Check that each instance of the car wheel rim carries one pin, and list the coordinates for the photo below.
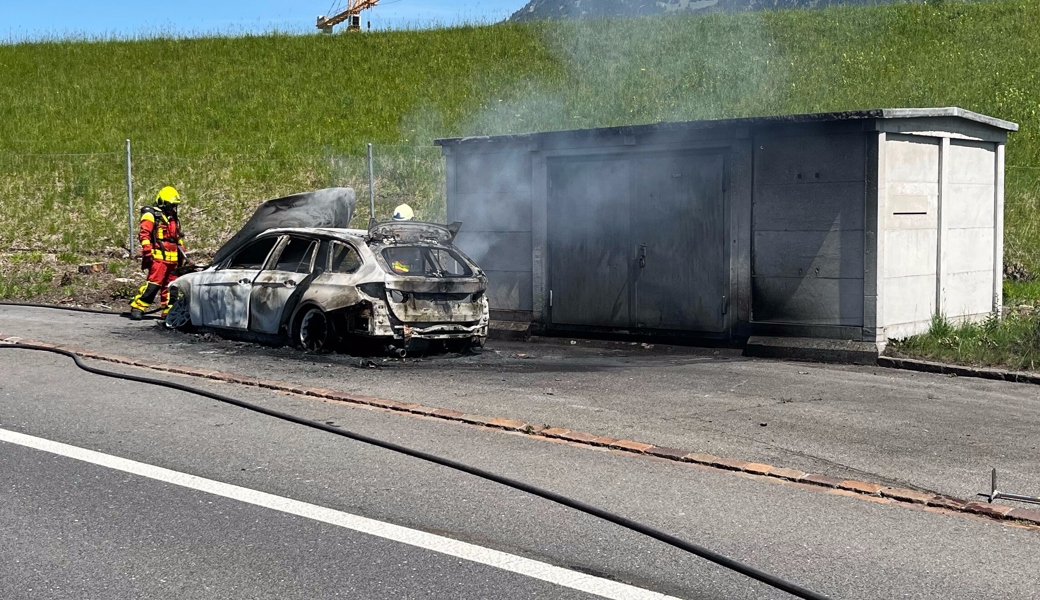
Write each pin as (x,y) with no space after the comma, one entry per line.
(179,314)
(313,330)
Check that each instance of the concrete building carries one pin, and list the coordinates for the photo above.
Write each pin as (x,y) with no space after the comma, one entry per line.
(856,226)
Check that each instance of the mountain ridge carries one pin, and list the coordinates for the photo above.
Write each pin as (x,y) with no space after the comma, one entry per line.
(536,10)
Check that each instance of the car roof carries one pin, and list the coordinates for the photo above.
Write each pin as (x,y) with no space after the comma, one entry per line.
(356,235)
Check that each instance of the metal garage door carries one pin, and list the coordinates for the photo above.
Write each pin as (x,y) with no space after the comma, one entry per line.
(638,242)
(590,249)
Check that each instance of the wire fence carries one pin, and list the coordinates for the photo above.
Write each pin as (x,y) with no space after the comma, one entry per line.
(1022,219)
(77,202)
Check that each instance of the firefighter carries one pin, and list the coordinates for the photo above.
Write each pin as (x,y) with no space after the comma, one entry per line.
(403,213)
(162,251)
(402,265)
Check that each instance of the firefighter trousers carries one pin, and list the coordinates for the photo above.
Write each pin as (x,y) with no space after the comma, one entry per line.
(160,275)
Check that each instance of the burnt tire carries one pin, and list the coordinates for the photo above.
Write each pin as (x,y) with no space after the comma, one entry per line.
(179,316)
(314,331)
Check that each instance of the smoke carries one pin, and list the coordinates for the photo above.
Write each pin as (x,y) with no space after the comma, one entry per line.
(632,71)
(615,72)
(606,73)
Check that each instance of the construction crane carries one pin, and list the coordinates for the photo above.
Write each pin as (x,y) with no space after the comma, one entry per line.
(351,14)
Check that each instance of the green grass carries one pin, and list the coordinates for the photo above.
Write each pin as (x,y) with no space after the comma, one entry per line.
(1021,293)
(25,258)
(26,283)
(1013,341)
(232,121)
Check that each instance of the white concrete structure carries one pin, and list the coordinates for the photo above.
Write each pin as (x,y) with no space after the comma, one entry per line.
(942,204)
(856,226)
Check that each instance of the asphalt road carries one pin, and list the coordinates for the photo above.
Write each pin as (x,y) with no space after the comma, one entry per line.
(894,427)
(76,530)
(71,530)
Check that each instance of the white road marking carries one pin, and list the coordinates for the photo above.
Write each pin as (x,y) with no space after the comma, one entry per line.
(435,543)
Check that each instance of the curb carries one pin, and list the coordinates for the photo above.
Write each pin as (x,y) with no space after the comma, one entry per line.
(812,349)
(903,495)
(927,366)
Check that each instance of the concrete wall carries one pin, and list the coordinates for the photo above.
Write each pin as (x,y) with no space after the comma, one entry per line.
(968,230)
(908,223)
(939,215)
(808,228)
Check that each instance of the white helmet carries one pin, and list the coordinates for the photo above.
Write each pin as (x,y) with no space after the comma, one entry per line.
(403,213)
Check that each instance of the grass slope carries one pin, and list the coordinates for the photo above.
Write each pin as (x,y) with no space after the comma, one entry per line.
(233,121)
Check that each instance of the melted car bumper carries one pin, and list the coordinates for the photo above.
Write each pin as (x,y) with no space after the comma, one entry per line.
(444,331)
(384,324)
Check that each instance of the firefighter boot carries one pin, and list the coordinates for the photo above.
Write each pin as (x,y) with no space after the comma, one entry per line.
(143,300)
(166,300)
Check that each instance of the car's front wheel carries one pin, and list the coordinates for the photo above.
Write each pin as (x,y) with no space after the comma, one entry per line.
(314,332)
(179,316)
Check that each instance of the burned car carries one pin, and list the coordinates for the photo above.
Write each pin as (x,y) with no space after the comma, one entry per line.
(402,284)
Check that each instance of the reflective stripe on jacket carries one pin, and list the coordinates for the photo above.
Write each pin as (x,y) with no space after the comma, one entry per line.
(160,235)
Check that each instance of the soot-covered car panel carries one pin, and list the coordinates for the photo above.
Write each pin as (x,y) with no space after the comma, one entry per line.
(398,282)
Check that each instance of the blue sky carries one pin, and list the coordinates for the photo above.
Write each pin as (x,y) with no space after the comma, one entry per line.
(26,20)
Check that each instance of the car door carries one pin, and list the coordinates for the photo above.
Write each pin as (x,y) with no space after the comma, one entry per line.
(275,288)
(223,296)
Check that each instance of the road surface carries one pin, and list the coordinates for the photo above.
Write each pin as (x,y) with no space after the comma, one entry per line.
(73,529)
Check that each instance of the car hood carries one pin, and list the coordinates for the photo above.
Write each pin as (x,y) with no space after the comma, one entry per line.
(330,207)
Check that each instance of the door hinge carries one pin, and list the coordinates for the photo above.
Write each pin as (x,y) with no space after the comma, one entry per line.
(550,298)
(725,305)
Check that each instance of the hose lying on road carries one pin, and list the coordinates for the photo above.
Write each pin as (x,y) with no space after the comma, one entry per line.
(55,306)
(690,547)
(83,309)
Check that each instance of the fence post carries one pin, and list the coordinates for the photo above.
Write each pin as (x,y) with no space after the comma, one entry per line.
(129,204)
(371,190)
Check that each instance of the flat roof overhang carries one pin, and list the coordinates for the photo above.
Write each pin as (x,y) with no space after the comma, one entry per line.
(972,120)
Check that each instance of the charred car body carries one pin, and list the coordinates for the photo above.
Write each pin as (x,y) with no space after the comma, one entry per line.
(396,284)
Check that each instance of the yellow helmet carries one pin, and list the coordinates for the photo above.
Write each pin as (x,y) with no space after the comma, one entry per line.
(168,195)
(403,213)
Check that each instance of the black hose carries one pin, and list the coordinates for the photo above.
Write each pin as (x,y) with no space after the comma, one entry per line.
(71,308)
(96,311)
(690,547)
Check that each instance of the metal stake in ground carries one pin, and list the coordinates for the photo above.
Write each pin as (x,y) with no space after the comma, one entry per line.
(130,204)
(995,494)
(371,190)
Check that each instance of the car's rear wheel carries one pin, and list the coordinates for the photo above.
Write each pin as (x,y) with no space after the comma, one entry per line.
(314,332)
(179,316)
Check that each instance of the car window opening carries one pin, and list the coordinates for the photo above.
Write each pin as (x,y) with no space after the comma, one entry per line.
(254,255)
(308,259)
(424,261)
(293,255)
(345,259)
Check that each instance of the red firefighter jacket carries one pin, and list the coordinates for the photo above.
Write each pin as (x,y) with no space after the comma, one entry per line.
(160,235)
